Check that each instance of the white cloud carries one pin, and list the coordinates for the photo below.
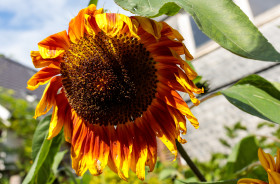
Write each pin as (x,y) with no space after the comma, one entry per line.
(29,22)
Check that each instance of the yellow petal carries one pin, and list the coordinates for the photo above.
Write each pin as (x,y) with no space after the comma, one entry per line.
(250,181)
(150,26)
(55,126)
(266,160)
(273,177)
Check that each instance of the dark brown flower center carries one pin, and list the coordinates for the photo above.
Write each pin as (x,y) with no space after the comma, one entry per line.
(109,80)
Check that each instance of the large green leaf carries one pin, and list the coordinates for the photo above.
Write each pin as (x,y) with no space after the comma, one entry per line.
(256,96)
(221,20)
(57,159)
(39,135)
(44,156)
(45,171)
(243,154)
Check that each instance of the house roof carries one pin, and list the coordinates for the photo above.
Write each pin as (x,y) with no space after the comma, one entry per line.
(15,76)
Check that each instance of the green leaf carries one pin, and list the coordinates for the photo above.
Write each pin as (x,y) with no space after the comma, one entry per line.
(244,153)
(224,142)
(167,173)
(149,8)
(57,159)
(93,2)
(45,153)
(45,171)
(221,20)
(213,182)
(39,135)
(256,96)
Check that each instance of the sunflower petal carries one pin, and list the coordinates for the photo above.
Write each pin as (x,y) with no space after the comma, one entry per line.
(55,125)
(54,45)
(39,62)
(140,152)
(48,98)
(250,181)
(173,99)
(180,123)
(155,116)
(42,77)
(273,177)
(97,154)
(62,112)
(113,24)
(170,32)
(266,160)
(78,162)
(189,86)
(278,161)
(115,150)
(126,145)
(150,26)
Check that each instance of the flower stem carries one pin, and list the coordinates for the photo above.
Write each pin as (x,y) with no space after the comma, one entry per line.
(186,157)
(207,98)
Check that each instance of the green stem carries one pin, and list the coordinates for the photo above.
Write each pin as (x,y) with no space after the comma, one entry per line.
(207,98)
(93,2)
(247,170)
(68,170)
(186,157)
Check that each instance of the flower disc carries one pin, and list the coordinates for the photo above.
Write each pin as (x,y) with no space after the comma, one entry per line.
(109,80)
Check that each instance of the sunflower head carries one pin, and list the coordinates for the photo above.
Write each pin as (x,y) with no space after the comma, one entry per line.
(113,83)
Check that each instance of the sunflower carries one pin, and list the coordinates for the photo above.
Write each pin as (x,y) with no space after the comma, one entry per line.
(112,81)
(271,166)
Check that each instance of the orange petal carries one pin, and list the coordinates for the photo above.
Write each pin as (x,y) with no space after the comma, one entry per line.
(42,77)
(98,152)
(266,160)
(139,152)
(80,131)
(188,70)
(79,162)
(189,86)
(67,122)
(55,125)
(180,123)
(273,177)
(54,45)
(63,116)
(170,32)
(91,25)
(152,154)
(150,26)
(278,161)
(173,99)
(77,24)
(250,181)
(113,24)
(39,62)
(126,141)
(115,150)
(48,98)
(150,137)
(165,136)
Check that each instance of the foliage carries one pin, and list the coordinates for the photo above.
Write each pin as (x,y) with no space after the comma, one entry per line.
(21,122)
(220,20)
(45,151)
(257,96)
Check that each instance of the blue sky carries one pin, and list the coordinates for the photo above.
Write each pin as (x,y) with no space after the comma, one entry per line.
(25,23)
